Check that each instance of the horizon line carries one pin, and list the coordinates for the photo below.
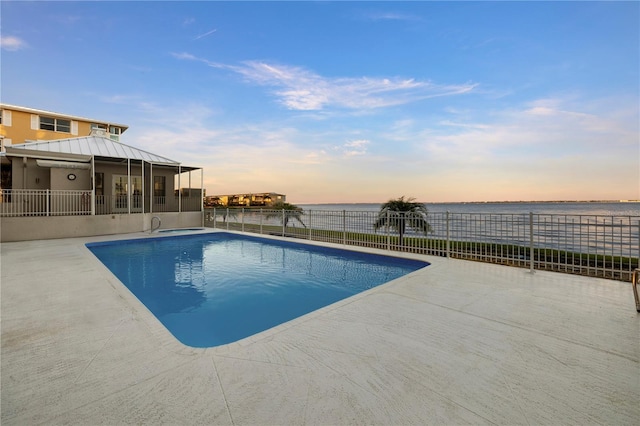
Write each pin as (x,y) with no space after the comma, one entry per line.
(487,202)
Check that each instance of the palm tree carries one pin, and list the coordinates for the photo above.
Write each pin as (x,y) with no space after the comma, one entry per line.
(291,211)
(402,213)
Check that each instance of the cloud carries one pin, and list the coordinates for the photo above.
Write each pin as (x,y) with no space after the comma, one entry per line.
(300,89)
(391,16)
(12,43)
(184,56)
(303,90)
(68,19)
(552,134)
(205,34)
(356,147)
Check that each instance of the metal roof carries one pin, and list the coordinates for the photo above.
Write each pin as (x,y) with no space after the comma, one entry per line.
(95,146)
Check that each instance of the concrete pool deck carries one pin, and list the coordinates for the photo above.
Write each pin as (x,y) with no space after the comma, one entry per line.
(455,343)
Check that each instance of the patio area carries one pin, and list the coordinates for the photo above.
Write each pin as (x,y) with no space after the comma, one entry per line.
(458,342)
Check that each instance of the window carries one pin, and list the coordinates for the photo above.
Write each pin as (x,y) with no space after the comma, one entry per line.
(100,188)
(114,133)
(5,176)
(5,182)
(4,143)
(159,186)
(5,117)
(121,188)
(55,124)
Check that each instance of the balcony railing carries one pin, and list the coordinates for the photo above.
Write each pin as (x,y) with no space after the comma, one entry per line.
(598,246)
(46,202)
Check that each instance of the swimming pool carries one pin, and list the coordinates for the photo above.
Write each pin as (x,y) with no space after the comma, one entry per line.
(216,288)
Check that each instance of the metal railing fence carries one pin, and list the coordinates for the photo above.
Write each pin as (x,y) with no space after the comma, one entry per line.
(591,245)
(47,202)
(44,202)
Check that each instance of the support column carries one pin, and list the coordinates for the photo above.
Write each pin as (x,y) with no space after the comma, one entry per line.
(153,189)
(93,186)
(128,185)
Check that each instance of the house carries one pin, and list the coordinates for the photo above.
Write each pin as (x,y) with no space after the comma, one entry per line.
(20,124)
(92,185)
(262,199)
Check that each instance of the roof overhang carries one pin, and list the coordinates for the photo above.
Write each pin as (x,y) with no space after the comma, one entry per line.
(15,152)
(55,164)
(174,166)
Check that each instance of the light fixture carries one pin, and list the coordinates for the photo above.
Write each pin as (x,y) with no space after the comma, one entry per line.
(71,176)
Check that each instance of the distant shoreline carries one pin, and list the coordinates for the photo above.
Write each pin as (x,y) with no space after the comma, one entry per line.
(539,202)
(489,202)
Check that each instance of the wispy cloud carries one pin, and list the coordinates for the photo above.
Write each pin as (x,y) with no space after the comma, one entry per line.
(300,89)
(303,90)
(185,56)
(354,148)
(12,43)
(391,16)
(68,19)
(208,33)
(545,130)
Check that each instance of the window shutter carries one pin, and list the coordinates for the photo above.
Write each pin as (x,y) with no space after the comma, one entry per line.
(35,122)
(6,118)
(74,128)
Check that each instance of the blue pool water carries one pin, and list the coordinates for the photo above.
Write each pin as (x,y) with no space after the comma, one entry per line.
(216,288)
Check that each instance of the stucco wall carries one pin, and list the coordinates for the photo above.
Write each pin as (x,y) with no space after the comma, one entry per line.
(45,228)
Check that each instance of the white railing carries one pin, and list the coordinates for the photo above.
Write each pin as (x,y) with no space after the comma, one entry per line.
(600,246)
(44,202)
(47,202)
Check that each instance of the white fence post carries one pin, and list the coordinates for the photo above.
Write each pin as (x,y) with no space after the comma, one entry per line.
(261,221)
(531,265)
(388,232)
(448,240)
(344,227)
(283,223)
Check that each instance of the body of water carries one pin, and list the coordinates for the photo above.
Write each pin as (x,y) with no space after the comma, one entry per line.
(556,208)
(611,228)
(587,227)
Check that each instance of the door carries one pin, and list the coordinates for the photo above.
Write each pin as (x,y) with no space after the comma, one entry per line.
(121,188)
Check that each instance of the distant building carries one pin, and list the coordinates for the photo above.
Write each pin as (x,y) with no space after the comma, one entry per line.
(21,124)
(260,199)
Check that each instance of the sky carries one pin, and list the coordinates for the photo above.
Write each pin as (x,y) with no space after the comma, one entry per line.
(350,102)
